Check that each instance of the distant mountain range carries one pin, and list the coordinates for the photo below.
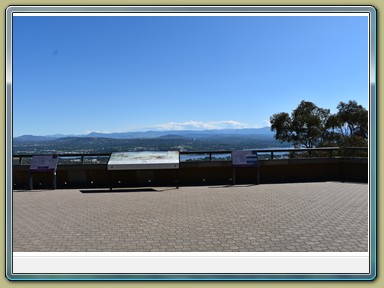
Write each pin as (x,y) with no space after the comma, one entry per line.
(184,140)
(170,134)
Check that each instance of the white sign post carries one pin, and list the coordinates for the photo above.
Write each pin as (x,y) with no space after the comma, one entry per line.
(144,160)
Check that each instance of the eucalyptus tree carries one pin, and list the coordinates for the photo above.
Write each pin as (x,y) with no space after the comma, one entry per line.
(311,126)
(350,124)
(306,126)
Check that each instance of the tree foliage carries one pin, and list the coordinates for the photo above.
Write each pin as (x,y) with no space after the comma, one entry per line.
(311,126)
(350,124)
(305,127)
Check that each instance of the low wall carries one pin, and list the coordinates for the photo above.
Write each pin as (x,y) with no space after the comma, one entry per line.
(198,173)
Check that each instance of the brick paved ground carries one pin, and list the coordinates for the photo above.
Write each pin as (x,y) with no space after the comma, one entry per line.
(301,217)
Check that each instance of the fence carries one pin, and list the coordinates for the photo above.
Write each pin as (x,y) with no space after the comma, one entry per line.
(211,156)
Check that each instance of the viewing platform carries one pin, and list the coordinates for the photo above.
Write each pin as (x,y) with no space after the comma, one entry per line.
(290,217)
(319,205)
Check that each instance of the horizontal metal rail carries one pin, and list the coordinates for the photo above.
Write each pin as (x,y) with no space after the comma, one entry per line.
(204,156)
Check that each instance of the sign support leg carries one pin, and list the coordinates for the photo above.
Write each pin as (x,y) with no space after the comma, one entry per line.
(258,176)
(233,176)
(30,181)
(54,180)
(177,178)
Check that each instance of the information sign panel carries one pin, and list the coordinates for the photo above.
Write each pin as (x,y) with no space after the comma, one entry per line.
(43,163)
(244,158)
(144,160)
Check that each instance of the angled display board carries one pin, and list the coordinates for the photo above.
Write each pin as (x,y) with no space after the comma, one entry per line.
(244,158)
(43,163)
(144,160)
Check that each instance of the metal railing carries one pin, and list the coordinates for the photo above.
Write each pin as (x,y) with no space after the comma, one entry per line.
(67,159)
(208,156)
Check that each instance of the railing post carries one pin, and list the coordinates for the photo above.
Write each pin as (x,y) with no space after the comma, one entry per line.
(271,155)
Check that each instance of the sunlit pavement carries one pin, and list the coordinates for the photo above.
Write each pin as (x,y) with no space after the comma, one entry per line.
(301,217)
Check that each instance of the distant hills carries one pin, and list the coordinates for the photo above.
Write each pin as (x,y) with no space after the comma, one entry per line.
(167,134)
(184,140)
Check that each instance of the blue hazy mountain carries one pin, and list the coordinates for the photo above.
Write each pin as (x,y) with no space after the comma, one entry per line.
(33,138)
(185,140)
(247,132)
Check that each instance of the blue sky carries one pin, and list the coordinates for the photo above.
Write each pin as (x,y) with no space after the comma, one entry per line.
(74,75)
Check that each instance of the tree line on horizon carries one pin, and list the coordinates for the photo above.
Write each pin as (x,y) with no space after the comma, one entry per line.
(311,126)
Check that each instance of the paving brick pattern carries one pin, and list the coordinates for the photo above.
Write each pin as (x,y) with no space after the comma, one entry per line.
(302,217)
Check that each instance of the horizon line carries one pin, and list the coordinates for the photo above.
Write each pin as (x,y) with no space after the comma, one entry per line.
(85,133)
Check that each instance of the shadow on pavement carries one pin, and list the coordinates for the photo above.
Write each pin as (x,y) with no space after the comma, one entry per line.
(124,190)
(231,186)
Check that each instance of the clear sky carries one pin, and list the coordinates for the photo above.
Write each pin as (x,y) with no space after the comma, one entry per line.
(74,75)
